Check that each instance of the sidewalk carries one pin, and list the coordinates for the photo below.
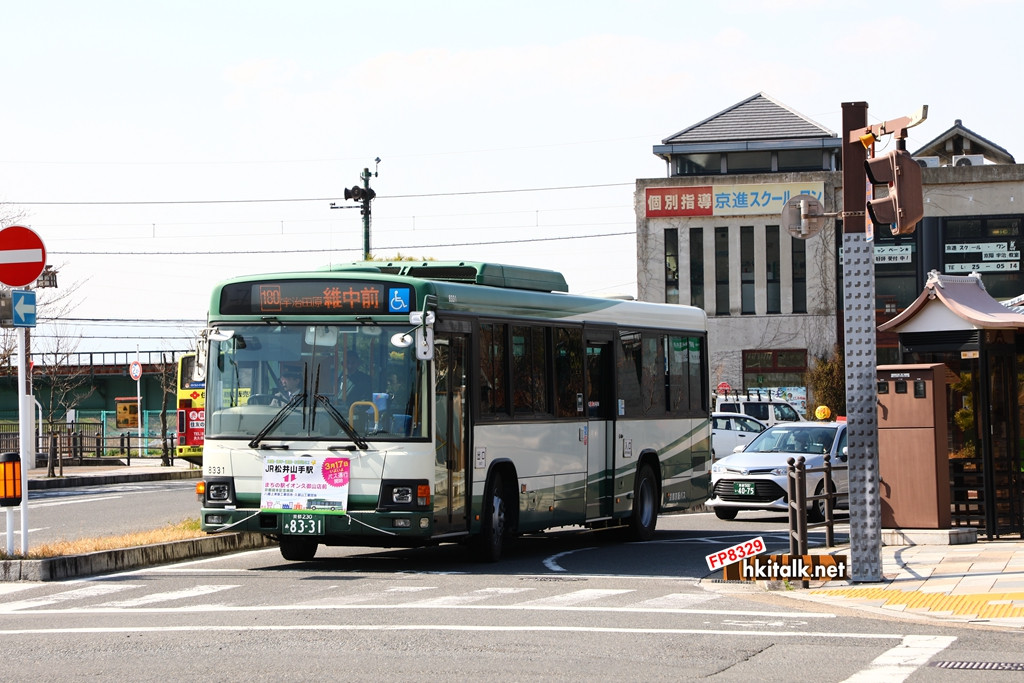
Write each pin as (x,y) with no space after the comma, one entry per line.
(974,583)
(111,471)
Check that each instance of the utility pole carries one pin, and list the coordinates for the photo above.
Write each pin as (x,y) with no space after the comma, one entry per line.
(364,195)
(860,336)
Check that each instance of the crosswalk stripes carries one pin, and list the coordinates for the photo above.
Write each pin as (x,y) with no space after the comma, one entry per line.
(97,597)
(90,591)
(195,591)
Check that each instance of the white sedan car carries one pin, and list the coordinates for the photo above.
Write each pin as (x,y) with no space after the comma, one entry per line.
(756,477)
(730,431)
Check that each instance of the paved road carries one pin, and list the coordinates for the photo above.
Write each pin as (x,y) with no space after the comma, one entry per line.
(561,607)
(103,510)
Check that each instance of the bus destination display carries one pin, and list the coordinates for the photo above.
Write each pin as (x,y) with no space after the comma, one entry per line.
(315,297)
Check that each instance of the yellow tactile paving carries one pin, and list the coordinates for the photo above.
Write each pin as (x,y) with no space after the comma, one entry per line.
(980,605)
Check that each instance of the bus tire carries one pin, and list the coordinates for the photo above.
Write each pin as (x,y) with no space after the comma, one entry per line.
(645,505)
(298,548)
(491,540)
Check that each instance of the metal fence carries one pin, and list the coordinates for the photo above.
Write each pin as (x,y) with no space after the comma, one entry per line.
(77,441)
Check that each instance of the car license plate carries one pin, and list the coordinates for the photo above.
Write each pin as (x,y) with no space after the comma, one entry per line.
(303,525)
(743,488)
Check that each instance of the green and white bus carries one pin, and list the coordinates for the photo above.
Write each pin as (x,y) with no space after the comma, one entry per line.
(446,402)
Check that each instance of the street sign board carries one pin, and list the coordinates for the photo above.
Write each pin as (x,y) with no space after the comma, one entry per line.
(135,370)
(22,256)
(23,308)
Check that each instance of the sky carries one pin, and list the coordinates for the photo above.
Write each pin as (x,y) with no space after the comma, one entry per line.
(160,147)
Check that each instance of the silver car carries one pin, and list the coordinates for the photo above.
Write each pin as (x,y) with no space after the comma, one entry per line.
(730,431)
(755,478)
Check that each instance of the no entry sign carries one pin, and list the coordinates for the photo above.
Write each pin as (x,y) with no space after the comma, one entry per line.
(22,256)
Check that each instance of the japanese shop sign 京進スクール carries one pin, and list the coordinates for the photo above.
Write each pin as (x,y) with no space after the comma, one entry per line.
(725,200)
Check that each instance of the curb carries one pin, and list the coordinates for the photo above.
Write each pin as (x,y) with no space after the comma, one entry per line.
(99,480)
(104,561)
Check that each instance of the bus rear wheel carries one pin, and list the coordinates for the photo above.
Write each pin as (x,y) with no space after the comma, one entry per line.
(491,540)
(298,548)
(645,505)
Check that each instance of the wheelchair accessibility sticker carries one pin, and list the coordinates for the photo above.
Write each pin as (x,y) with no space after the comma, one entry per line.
(398,300)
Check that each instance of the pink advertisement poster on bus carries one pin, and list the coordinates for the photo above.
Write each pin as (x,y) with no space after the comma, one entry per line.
(305,483)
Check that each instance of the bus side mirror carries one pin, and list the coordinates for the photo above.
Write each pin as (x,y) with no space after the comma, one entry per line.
(424,323)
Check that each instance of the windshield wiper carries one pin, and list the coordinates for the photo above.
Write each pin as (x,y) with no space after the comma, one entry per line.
(278,418)
(342,422)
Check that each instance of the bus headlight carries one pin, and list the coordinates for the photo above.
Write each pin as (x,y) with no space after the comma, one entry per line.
(404,495)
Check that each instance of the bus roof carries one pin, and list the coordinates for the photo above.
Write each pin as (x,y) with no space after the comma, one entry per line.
(507,291)
(468,272)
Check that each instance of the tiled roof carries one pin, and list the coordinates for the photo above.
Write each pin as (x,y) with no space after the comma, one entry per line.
(755,118)
(963,299)
(955,138)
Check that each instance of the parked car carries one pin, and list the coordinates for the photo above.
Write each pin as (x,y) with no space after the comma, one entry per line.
(756,477)
(763,406)
(730,431)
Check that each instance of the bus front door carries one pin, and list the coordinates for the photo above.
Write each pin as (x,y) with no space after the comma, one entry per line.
(451,435)
(600,399)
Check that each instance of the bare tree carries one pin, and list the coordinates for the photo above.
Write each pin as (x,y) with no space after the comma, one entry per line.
(168,388)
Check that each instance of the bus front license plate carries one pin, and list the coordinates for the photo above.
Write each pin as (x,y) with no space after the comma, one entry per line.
(743,488)
(303,525)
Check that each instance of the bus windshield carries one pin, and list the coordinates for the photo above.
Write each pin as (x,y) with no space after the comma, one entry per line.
(353,382)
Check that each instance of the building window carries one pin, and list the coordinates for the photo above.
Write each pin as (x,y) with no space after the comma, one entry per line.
(774,368)
(721,271)
(697,267)
(697,164)
(749,162)
(895,271)
(747,284)
(799,275)
(672,266)
(800,160)
(989,245)
(772,269)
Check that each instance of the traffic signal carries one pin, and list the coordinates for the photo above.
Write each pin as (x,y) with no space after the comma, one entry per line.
(359,193)
(904,206)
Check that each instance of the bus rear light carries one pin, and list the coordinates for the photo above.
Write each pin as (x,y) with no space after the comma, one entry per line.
(423,495)
(200,488)
(401,495)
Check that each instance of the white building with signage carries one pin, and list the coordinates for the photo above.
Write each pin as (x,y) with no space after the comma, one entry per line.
(711,234)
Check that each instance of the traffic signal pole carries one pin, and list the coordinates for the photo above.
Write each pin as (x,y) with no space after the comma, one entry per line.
(859,352)
(859,333)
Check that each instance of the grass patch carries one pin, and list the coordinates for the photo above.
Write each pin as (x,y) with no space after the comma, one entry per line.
(183,530)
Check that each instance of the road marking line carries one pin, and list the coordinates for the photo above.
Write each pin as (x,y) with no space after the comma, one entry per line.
(451,627)
(898,663)
(91,591)
(575,597)
(195,591)
(525,607)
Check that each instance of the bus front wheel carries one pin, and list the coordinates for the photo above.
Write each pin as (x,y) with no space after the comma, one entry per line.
(298,548)
(492,534)
(645,505)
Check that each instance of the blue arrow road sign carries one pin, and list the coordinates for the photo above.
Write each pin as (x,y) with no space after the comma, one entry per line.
(23,308)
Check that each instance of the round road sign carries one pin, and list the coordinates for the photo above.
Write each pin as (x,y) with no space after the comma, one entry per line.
(135,370)
(22,256)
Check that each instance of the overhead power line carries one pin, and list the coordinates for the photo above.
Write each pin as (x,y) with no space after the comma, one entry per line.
(316,199)
(321,250)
